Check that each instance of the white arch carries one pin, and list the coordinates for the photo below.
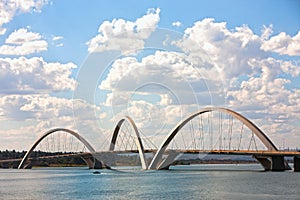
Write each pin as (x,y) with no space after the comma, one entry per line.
(81,139)
(158,156)
(138,140)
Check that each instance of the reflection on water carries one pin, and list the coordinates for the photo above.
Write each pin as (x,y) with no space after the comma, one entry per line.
(181,182)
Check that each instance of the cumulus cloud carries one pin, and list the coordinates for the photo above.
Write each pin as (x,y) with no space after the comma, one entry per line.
(55,38)
(9,8)
(266,89)
(225,50)
(155,116)
(255,81)
(214,60)
(158,88)
(34,75)
(125,36)
(153,68)
(43,107)
(57,41)
(23,42)
(165,99)
(42,112)
(28,107)
(154,120)
(266,32)
(283,44)
(143,112)
(270,105)
(268,100)
(22,36)
(177,23)
(160,73)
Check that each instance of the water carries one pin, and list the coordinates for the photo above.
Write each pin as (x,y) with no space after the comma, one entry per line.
(182,182)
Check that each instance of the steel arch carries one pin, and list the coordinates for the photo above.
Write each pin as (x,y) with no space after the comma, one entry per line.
(80,138)
(259,133)
(138,140)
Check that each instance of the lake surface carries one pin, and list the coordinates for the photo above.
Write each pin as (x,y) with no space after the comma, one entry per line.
(181,182)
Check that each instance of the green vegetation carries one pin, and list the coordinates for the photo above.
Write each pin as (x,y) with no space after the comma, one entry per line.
(6,155)
(47,162)
(36,158)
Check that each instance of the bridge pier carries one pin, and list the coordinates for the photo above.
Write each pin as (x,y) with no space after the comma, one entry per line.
(100,165)
(93,163)
(296,164)
(265,162)
(273,163)
(28,165)
(165,164)
(278,163)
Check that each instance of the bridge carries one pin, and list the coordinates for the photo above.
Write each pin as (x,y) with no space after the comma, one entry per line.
(212,130)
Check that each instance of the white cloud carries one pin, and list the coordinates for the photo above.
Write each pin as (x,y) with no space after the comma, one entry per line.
(142,112)
(159,74)
(156,117)
(39,113)
(126,36)
(9,8)
(283,44)
(266,32)
(290,67)
(55,38)
(177,23)
(164,84)
(267,89)
(258,85)
(153,119)
(163,67)
(116,98)
(22,36)
(23,42)
(267,97)
(31,107)
(255,82)
(156,91)
(34,75)
(222,49)
(165,100)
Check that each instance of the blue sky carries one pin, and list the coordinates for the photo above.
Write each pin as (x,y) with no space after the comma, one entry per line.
(69,18)
(253,45)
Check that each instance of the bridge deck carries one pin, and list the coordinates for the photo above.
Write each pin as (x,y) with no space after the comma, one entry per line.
(228,152)
(245,152)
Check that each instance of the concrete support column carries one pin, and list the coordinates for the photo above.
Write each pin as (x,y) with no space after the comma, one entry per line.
(100,165)
(28,165)
(94,163)
(265,162)
(165,164)
(296,164)
(89,161)
(278,163)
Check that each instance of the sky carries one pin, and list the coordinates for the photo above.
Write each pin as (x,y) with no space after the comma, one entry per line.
(84,64)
